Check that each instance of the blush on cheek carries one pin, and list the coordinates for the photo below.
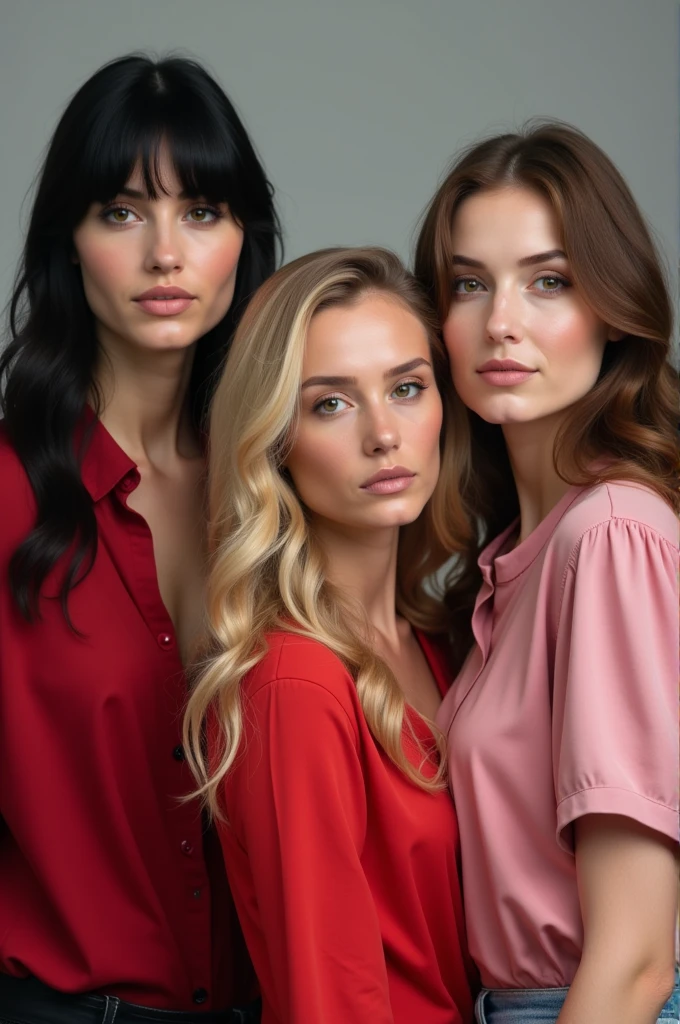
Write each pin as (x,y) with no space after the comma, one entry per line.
(317,471)
(222,262)
(100,265)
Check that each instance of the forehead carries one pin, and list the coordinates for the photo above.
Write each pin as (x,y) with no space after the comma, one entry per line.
(371,335)
(515,222)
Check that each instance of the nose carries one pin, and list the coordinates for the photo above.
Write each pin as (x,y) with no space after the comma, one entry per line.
(164,252)
(504,323)
(381,432)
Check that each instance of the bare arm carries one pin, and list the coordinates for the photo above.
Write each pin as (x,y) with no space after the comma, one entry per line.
(627,880)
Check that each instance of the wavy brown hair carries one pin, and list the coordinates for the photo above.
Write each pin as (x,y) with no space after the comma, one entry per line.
(268,570)
(626,426)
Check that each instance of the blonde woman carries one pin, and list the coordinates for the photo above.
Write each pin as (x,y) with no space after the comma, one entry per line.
(321,683)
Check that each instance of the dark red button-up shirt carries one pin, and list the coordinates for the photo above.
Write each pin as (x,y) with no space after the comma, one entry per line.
(107,881)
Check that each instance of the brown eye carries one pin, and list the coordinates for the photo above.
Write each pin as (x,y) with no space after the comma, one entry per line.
(203,215)
(470,286)
(118,215)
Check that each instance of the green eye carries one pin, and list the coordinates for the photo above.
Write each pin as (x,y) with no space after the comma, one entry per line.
(550,283)
(467,286)
(407,389)
(330,405)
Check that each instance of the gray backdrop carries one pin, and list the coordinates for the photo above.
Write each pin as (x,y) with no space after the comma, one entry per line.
(356,106)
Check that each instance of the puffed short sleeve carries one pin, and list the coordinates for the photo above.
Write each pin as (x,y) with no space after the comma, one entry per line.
(615,698)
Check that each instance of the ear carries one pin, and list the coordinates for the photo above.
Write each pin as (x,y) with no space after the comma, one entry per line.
(613,334)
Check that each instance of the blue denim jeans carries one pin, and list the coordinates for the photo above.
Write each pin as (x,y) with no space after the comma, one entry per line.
(542,1005)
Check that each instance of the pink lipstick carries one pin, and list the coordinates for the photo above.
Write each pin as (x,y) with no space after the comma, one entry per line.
(389,481)
(503,373)
(165,300)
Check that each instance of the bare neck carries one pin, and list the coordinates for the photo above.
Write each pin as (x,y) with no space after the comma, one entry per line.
(363,564)
(539,488)
(145,403)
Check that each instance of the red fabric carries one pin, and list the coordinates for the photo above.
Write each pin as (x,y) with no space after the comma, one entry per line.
(344,873)
(105,883)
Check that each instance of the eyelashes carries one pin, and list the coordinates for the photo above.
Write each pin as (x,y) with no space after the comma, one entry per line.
(109,214)
(320,407)
(550,284)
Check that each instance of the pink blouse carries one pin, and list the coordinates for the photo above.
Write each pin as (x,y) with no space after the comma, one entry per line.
(567,705)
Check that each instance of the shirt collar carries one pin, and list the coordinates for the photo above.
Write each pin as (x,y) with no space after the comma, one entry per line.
(104,463)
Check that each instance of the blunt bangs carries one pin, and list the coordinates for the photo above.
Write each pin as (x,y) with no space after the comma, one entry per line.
(136,122)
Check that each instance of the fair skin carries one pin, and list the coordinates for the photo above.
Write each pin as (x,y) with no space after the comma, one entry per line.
(513,299)
(369,402)
(128,250)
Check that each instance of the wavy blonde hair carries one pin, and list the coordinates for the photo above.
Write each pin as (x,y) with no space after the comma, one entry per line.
(268,570)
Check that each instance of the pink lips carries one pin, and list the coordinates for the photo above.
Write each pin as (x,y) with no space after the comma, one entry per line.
(502,373)
(389,481)
(164,301)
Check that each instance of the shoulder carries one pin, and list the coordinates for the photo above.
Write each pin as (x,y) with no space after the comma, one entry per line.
(609,511)
(17,508)
(305,664)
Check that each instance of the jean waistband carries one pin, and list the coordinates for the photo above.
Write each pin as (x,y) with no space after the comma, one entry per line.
(542,1005)
(29,1001)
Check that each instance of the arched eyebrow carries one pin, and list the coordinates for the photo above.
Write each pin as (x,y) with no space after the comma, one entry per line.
(339,382)
(526,261)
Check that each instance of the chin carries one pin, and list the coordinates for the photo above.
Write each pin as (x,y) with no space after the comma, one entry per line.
(166,342)
(400,517)
(503,412)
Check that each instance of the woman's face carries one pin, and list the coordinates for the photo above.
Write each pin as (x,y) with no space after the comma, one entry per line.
(522,342)
(158,274)
(366,452)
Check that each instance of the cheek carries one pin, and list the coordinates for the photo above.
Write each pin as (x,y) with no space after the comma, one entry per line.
(458,338)
(427,431)
(104,268)
(317,465)
(217,263)
(574,342)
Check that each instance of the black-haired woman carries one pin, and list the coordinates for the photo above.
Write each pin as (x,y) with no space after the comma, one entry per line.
(152,224)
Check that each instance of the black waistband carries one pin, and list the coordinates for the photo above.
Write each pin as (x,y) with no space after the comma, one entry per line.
(28,1001)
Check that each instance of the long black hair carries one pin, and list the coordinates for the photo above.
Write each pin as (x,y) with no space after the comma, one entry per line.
(117,120)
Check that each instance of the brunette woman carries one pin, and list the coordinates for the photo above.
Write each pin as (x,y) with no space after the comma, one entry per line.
(152,224)
(562,724)
(322,683)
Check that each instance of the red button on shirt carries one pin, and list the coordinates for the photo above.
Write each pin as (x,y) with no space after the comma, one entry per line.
(95,893)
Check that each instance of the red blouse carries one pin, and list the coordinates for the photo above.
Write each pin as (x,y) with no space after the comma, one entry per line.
(345,874)
(107,881)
